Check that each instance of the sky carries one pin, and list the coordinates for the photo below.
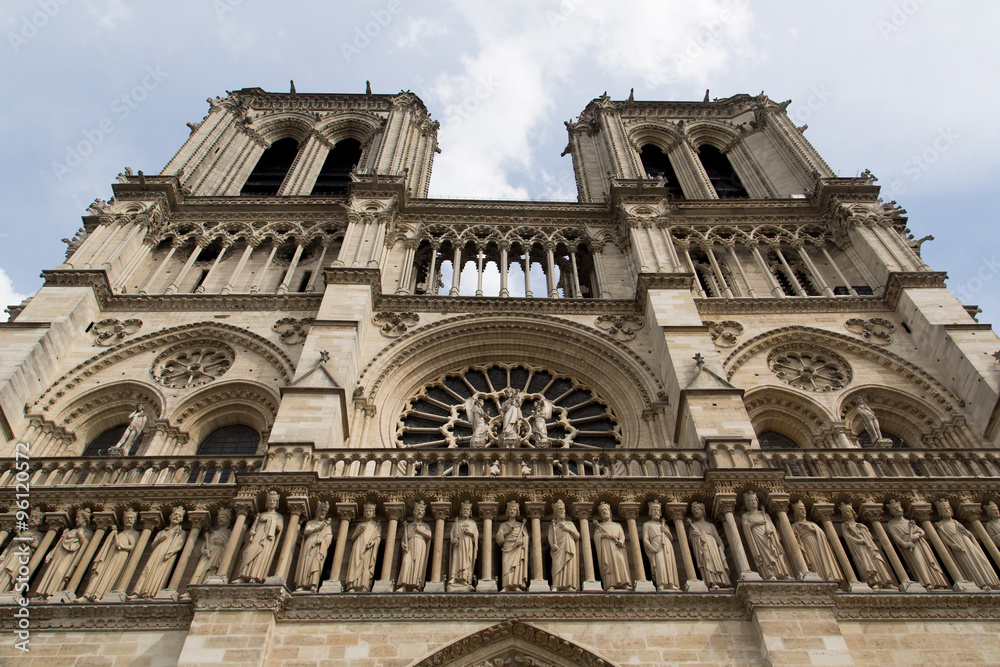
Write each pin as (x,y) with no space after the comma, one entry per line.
(895,87)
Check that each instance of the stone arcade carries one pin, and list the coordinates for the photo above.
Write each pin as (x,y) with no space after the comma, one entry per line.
(282,408)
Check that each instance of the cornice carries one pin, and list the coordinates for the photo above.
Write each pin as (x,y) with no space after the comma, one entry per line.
(148,615)
(900,280)
(482,305)
(792,304)
(926,607)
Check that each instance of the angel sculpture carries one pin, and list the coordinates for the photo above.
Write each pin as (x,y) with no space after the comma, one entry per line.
(540,411)
(475,412)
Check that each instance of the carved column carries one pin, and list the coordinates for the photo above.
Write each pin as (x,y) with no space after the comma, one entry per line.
(796,285)
(108,228)
(441,510)
(690,263)
(800,246)
(576,274)
(972,513)
(228,287)
(103,521)
(283,287)
(535,511)
(198,247)
(921,511)
(346,512)
(432,286)
(527,272)
(395,511)
(778,503)
(676,513)
(630,512)
(242,507)
(754,246)
(54,522)
(723,506)
(836,270)
(872,512)
(479,267)
(136,228)
(504,248)
(410,246)
(550,270)
(597,254)
(174,244)
(647,227)
(487,512)
(731,247)
(714,261)
(456,270)
(823,513)
(267,264)
(298,507)
(211,272)
(582,512)
(199,519)
(149,520)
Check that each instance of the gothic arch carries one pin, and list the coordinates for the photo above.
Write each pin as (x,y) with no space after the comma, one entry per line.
(663,136)
(352,125)
(716,133)
(513,639)
(284,125)
(595,359)
(227,404)
(785,412)
(900,414)
(103,408)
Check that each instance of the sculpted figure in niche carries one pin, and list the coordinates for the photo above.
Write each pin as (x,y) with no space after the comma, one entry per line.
(511,410)
(864,552)
(64,558)
(367,536)
(464,550)
(656,540)
(213,547)
(316,539)
(540,411)
(136,425)
(166,546)
(475,412)
(815,547)
(609,538)
(20,549)
(992,525)
(112,557)
(762,537)
(709,549)
(964,548)
(870,421)
(917,552)
(413,566)
(563,536)
(513,540)
(261,543)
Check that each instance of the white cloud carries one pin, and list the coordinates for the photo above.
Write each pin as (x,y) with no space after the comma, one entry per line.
(8,297)
(108,13)
(419,29)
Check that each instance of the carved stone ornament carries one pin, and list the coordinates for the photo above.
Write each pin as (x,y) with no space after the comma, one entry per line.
(875,329)
(292,331)
(111,332)
(192,364)
(394,325)
(622,328)
(724,333)
(804,367)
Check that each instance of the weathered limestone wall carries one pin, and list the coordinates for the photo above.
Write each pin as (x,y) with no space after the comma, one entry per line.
(96,649)
(916,643)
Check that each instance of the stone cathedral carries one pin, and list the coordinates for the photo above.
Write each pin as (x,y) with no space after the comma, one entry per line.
(278,407)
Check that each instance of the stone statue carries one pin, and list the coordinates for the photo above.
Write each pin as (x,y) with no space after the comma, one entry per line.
(864,552)
(992,526)
(261,544)
(511,411)
(21,549)
(112,558)
(917,552)
(762,538)
(367,536)
(964,548)
(540,411)
(166,546)
(413,565)
(609,538)
(563,536)
(464,550)
(709,549)
(317,536)
(513,540)
(213,547)
(656,540)
(475,412)
(871,423)
(64,558)
(132,432)
(814,545)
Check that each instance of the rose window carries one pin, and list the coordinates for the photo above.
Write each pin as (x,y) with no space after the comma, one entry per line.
(507,405)
(810,370)
(192,364)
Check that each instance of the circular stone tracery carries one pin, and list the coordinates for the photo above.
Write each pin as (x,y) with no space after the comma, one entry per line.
(192,364)
(436,416)
(809,369)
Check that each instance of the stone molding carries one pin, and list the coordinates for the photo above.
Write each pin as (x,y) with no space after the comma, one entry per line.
(146,616)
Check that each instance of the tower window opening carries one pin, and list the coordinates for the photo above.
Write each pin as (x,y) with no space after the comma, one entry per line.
(335,175)
(272,167)
(657,165)
(201,279)
(304,283)
(720,172)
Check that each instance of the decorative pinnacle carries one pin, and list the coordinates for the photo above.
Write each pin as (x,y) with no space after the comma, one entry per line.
(700,360)
(996,355)
(324,356)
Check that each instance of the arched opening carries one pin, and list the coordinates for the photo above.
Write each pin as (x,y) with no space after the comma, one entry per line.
(335,176)
(657,165)
(720,172)
(234,440)
(267,177)
(100,445)
(775,440)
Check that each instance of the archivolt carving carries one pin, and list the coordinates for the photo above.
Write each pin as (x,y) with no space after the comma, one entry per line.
(253,232)
(174,335)
(829,339)
(794,415)
(900,414)
(248,403)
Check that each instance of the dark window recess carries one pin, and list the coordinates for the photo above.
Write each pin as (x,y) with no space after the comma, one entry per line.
(724,179)
(201,279)
(237,440)
(304,283)
(775,440)
(864,290)
(99,446)
(658,165)
(866,442)
(335,175)
(273,165)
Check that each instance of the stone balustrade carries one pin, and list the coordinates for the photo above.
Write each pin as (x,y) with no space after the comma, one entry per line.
(832,463)
(131,471)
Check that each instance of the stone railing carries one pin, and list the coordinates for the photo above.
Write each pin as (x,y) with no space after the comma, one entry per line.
(142,471)
(832,463)
(644,463)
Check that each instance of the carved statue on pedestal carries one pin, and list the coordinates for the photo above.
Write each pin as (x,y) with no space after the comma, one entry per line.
(261,544)
(513,540)
(964,548)
(709,549)
(871,424)
(475,412)
(762,538)
(213,547)
(464,550)
(563,536)
(132,432)
(367,536)
(413,565)
(992,525)
(112,558)
(166,546)
(317,536)
(916,550)
(64,558)
(609,538)
(864,552)
(656,540)
(814,545)
(20,550)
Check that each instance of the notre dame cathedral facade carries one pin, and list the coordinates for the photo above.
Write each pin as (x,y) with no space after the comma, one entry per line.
(278,407)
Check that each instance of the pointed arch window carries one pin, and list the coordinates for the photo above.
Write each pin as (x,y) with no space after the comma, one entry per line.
(272,167)
(657,165)
(235,440)
(335,175)
(720,172)
(100,445)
